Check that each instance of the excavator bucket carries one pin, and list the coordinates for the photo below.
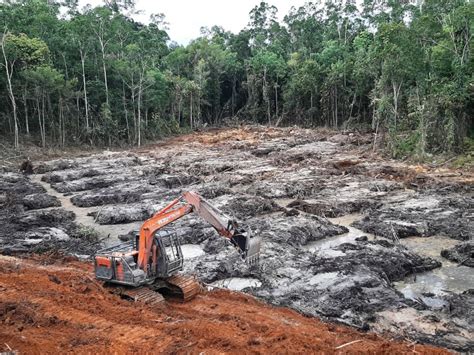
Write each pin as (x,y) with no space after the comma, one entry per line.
(248,247)
(252,255)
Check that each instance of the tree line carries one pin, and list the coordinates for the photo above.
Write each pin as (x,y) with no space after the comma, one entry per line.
(96,76)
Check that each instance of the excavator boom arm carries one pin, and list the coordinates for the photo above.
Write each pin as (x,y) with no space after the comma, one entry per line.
(208,213)
(248,247)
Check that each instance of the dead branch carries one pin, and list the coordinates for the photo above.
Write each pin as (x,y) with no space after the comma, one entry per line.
(347,344)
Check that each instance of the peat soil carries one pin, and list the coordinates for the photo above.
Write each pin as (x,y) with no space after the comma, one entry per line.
(342,227)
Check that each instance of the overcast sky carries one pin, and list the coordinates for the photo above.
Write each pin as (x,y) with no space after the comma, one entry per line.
(186,17)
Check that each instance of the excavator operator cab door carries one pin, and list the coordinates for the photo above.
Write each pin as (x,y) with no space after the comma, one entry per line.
(169,256)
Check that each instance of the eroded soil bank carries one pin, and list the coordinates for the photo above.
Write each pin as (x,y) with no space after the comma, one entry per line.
(346,234)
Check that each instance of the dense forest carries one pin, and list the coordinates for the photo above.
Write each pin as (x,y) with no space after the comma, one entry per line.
(96,76)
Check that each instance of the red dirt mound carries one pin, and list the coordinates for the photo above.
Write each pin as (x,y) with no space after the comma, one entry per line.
(57,308)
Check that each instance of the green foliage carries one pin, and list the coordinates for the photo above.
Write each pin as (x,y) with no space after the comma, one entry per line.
(97,76)
(406,145)
(466,160)
(164,126)
(25,51)
(44,77)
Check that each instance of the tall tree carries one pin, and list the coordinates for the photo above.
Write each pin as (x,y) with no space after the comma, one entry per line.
(19,52)
(96,75)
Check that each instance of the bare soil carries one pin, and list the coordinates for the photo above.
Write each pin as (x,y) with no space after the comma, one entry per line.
(349,236)
(57,308)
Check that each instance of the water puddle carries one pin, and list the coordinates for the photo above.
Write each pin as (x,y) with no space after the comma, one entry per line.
(192,251)
(283,202)
(430,285)
(427,286)
(430,246)
(326,246)
(237,283)
(450,277)
(108,232)
(347,220)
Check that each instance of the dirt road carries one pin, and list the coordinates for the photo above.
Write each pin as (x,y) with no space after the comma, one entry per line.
(57,308)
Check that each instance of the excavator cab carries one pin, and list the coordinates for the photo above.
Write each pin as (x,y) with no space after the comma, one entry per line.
(169,254)
(118,264)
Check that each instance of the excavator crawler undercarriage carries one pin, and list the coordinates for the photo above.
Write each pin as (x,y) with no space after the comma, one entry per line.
(182,288)
(142,294)
(179,287)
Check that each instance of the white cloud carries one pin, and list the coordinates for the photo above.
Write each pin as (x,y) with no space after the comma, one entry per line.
(186,17)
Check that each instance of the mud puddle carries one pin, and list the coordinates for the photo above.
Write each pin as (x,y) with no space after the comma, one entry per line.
(325,247)
(428,287)
(192,251)
(108,232)
(450,277)
(432,285)
(431,246)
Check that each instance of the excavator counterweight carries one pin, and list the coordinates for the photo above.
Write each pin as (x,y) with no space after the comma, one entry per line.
(152,260)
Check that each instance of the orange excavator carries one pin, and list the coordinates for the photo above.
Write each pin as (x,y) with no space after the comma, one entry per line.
(147,267)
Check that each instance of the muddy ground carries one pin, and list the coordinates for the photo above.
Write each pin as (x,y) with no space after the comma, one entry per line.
(348,236)
(51,306)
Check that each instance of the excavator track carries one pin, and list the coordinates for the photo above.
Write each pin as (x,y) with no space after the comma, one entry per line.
(143,294)
(182,287)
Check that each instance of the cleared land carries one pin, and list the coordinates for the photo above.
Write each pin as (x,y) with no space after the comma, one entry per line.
(348,236)
(51,308)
